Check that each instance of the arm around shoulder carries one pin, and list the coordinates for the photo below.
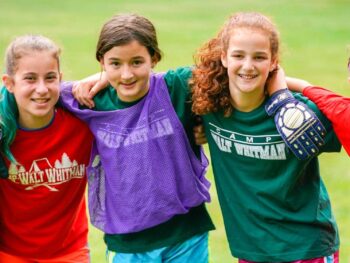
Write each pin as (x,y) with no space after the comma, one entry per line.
(336,108)
(297,85)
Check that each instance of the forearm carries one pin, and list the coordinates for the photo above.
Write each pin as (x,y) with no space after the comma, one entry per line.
(297,85)
(336,108)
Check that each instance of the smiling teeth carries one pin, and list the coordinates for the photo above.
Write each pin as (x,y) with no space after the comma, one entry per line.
(40,100)
(247,76)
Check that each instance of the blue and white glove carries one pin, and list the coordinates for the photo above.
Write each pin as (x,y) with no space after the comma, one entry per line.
(3,169)
(299,127)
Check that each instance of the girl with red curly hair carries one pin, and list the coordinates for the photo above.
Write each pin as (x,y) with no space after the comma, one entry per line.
(275,207)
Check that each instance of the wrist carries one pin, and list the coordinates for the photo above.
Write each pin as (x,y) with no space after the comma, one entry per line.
(273,90)
(278,99)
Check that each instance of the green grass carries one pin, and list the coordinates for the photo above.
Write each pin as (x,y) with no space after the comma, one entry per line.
(315,35)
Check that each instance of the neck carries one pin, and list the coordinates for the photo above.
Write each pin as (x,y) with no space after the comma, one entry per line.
(247,102)
(35,123)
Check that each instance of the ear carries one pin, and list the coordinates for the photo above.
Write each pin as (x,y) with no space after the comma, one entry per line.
(154,62)
(102,63)
(60,76)
(8,82)
(224,59)
(274,64)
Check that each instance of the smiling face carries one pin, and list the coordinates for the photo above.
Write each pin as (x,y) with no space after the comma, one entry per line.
(248,60)
(35,86)
(128,68)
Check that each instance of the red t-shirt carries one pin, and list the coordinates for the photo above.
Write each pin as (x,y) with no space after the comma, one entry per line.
(336,108)
(42,204)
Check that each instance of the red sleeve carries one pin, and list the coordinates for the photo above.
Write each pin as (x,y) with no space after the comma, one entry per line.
(336,108)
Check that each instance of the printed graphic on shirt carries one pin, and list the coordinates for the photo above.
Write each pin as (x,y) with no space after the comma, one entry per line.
(43,174)
(268,147)
(114,136)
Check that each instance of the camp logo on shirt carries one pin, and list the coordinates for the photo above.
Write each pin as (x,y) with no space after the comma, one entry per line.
(268,147)
(42,174)
(114,137)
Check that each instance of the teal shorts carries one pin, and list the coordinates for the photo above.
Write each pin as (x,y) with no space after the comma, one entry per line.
(192,250)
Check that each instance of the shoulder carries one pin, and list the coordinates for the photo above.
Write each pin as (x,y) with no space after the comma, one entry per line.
(177,80)
(309,103)
(67,120)
(178,75)
(331,141)
(108,92)
(300,97)
(105,99)
(69,125)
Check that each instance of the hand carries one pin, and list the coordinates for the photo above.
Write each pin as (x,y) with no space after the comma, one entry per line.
(276,80)
(298,126)
(199,132)
(85,89)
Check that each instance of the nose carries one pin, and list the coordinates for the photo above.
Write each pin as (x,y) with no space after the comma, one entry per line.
(41,87)
(248,64)
(126,73)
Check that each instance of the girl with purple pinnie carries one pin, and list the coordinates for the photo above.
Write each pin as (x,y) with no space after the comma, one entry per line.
(147,185)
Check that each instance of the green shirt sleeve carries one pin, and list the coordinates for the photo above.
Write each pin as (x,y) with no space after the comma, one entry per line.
(180,95)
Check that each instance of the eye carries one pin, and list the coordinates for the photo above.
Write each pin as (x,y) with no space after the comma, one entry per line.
(260,58)
(137,62)
(51,78)
(115,64)
(30,78)
(237,56)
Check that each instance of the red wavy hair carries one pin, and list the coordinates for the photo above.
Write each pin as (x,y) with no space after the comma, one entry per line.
(209,82)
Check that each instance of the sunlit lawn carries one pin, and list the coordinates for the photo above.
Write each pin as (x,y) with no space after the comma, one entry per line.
(314,33)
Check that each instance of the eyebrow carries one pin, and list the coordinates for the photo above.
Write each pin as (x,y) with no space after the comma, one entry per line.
(256,52)
(34,73)
(137,57)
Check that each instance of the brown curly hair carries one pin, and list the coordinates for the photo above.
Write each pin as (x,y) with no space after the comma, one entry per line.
(210,82)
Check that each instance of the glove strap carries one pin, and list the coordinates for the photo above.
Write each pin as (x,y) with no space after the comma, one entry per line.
(278,99)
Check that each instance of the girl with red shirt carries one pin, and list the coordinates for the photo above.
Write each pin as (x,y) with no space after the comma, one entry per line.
(46,149)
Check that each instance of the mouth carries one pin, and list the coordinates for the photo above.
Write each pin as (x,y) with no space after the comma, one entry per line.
(40,100)
(247,76)
(128,85)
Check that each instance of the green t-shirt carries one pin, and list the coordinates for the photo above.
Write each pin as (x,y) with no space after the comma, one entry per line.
(275,207)
(180,227)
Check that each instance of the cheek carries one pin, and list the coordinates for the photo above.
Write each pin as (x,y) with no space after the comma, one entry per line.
(111,73)
(266,68)
(20,91)
(55,92)
(233,64)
